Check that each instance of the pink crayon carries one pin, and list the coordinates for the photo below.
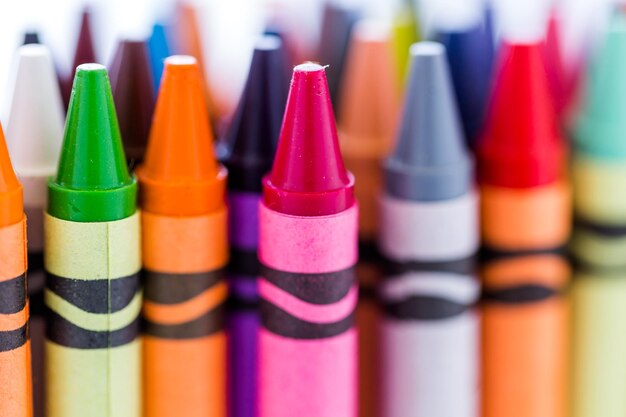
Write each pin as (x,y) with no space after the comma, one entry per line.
(308,249)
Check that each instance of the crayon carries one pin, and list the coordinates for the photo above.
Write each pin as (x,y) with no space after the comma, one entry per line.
(599,162)
(429,237)
(15,359)
(405,31)
(369,109)
(131,83)
(599,287)
(34,135)
(525,222)
(83,54)
(470,54)
(92,258)
(182,194)
(252,138)
(159,49)
(187,40)
(308,249)
(30,36)
(334,43)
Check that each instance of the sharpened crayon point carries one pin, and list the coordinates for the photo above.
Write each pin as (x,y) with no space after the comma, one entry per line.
(84,45)
(159,50)
(93,183)
(30,37)
(35,122)
(601,125)
(11,200)
(308,177)
(430,161)
(131,83)
(180,172)
(254,130)
(521,145)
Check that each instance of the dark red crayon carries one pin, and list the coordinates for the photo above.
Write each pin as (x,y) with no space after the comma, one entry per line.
(84,54)
(133,93)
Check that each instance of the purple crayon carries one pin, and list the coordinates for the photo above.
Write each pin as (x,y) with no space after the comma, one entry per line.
(251,142)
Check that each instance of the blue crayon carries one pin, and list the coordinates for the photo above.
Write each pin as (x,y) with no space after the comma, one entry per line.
(159,49)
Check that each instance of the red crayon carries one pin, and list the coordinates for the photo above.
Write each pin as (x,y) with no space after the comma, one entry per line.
(308,248)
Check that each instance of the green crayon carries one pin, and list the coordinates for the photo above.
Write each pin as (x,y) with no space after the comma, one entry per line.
(92,259)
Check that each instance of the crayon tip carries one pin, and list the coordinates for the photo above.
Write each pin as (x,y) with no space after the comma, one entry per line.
(35,122)
(404,32)
(180,174)
(521,145)
(131,83)
(334,43)
(430,161)
(92,183)
(602,121)
(84,45)
(159,50)
(308,177)
(11,200)
(369,103)
(30,37)
(253,133)
(470,55)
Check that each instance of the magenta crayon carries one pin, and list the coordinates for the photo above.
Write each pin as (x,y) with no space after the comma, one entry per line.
(308,249)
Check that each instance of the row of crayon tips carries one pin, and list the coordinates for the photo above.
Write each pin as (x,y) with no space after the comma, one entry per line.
(520,170)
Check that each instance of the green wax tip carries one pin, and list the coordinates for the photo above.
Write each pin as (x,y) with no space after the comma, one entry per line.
(600,130)
(93,183)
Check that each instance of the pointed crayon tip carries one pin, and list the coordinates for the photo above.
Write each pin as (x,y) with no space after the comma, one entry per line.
(470,55)
(84,45)
(11,200)
(430,161)
(369,103)
(35,121)
(159,50)
(253,132)
(308,177)
(521,144)
(334,43)
(131,83)
(92,183)
(602,121)
(30,37)
(555,66)
(404,32)
(180,174)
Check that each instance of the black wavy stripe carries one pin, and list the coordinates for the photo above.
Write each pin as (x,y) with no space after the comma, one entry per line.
(205,325)
(164,288)
(13,295)
(424,307)
(465,266)
(244,262)
(64,333)
(607,231)
(282,323)
(13,339)
(95,296)
(325,288)
(488,254)
(521,294)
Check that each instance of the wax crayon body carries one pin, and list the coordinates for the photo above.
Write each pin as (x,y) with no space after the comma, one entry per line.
(183,201)
(92,259)
(525,224)
(15,355)
(308,248)
(308,342)
(183,314)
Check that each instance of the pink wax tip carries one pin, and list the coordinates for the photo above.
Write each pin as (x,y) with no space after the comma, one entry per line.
(308,177)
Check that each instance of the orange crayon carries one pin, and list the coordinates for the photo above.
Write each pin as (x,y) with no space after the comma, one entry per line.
(15,373)
(184,218)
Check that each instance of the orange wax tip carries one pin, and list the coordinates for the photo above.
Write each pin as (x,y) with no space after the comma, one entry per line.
(180,175)
(11,203)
